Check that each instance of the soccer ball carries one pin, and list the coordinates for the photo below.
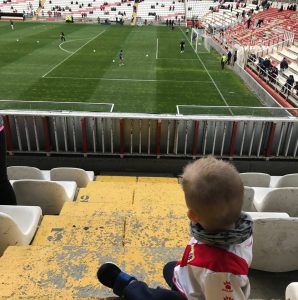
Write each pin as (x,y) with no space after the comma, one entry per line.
(113,60)
(37,42)
(147,55)
(17,40)
(94,50)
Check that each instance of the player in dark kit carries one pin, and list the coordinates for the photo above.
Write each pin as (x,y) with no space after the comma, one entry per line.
(62,37)
(182,46)
(121,58)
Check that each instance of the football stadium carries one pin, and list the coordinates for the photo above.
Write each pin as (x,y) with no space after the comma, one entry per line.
(149,149)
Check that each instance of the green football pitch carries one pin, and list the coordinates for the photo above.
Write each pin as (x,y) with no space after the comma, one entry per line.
(155,77)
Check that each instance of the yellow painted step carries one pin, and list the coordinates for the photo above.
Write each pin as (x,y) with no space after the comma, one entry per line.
(96,209)
(118,192)
(156,232)
(89,232)
(158,180)
(116,178)
(41,272)
(147,263)
(159,192)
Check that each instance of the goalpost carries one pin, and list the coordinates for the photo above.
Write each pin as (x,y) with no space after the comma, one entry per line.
(197,39)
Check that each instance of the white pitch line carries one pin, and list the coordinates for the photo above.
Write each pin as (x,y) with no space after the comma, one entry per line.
(156,56)
(126,79)
(69,56)
(222,96)
(173,58)
(60,45)
(64,49)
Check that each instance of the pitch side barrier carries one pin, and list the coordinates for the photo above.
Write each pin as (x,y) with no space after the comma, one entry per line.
(133,135)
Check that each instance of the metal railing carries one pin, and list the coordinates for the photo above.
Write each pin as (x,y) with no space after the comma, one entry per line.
(146,135)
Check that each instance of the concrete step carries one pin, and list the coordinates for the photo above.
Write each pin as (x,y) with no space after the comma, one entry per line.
(69,272)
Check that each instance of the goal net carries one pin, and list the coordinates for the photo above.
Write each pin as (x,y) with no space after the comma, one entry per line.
(198,40)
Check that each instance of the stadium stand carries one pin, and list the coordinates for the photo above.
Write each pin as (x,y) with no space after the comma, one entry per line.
(152,10)
(278,79)
(26,7)
(99,10)
(123,213)
(198,9)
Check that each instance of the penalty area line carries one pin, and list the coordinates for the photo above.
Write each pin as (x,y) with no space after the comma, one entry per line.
(69,56)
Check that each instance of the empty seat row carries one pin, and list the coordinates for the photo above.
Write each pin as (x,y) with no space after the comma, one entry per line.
(80,176)
(265,180)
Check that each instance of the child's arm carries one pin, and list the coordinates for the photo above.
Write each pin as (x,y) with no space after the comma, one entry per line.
(226,286)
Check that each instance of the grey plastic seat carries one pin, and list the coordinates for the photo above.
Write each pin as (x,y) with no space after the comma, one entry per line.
(49,195)
(80,176)
(277,200)
(18,225)
(289,180)
(275,245)
(292,291)
(255,179)
(25,172)
(248,199)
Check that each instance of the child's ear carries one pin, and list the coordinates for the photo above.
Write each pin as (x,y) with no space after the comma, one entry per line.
(192,216)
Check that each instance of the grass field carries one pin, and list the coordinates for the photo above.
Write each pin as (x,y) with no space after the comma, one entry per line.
(34,65)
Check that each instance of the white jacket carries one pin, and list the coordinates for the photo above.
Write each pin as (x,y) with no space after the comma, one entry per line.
(213,273)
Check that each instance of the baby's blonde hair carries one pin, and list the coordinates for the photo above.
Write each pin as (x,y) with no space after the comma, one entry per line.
(213,192)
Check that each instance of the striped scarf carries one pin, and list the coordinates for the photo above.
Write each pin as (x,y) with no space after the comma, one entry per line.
(241,232)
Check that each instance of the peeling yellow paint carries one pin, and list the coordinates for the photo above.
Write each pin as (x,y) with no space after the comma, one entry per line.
(107,192)
(138,225)
(95,209)
(43,272)
(81,231)
(145,231)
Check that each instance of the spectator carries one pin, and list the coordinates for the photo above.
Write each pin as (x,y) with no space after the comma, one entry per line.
(283,65)
(260,22)
(288,85)
(234,57)
(221,239)
(295,88)
(272,74)
(248,22)
(229,56)
(261,67)
(267,63)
